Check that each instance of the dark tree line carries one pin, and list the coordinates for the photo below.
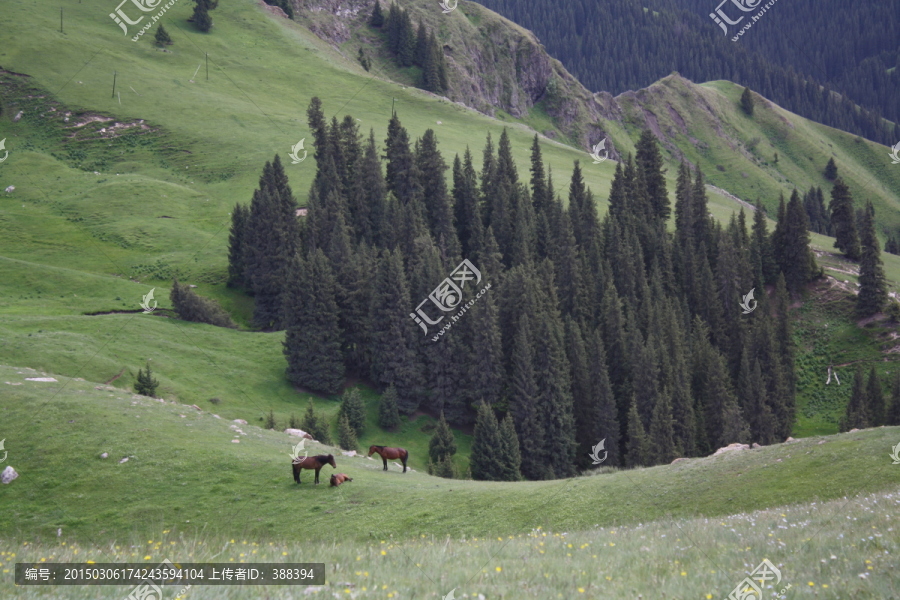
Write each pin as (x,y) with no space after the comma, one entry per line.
(848,53)
(612,329)
(413,46)
(868,406)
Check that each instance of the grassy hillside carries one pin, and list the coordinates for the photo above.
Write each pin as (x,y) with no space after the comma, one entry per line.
(185,472)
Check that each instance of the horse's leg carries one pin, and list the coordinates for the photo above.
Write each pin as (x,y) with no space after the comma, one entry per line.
(317,475)
(384,460)
(404,462)
(296,474)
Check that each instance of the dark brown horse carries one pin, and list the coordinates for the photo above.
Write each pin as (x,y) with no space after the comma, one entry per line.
(393,453)
(312,462)
(339,478)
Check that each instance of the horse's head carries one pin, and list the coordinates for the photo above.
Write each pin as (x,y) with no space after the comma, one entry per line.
(372,450)
(331,461)
(333,479)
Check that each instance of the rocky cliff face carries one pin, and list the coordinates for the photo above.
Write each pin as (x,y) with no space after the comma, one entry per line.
(493,63)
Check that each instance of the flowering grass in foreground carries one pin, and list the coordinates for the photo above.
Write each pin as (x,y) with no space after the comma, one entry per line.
(846,548)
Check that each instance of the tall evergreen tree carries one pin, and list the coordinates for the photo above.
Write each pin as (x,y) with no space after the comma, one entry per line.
(831,170)
(662,440)
(352,405)
(346,435)
(523,404)
(892,415)
(510,456)
(650,166)
(875,399)
(792,252)
(637,451)
(442,444)
(239,217)
(486,458)
(872,281)
(145,384)
(377,18)
(394,335)
(843,220)
(466,205)
(747,101)
(856,415)
(388,415)
(312,343)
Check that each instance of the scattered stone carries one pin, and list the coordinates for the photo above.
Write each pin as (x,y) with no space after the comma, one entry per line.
(852,430)
(678,460)
(195,406)
(789,440)
(217,416)
(183,416)
(18,116)
(8,475)
(299,433)
(777,460)
(39,379)
(731,447)
(235,441)
(104,455)
(241,421)
(822,442)
(123,460)
(754,445)
(9,190)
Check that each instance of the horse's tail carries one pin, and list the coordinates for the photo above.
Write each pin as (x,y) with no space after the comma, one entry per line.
(404,456)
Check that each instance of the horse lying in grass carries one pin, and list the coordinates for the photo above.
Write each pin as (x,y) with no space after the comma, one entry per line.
(339,478)
(393,453)
(312,462)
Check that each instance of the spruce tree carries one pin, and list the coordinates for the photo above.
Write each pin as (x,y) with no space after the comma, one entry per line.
(352,406)
(377,18)
(200,18)
(651,168)
(747,101)
(388,415)
(662,441)
(239,217)
(316,425)
(856,415)
(421,51)
(486,458)
(312,343)
(162,37)
(872,281)
(467,207)
(831,170)
(442,443)
(523,404)
(346,435)
(843,220)
(146,385)
(510,456)
(892,416)
(586,408)
(875,399)
(637,449)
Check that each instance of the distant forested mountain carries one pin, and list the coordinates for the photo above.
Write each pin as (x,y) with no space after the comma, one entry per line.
(798,54)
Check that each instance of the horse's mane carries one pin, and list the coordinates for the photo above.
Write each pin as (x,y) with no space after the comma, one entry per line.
(379,447)
(324,457)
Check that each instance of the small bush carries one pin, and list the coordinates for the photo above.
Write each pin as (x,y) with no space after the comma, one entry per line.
(215,401)
(145,385)
(270,420)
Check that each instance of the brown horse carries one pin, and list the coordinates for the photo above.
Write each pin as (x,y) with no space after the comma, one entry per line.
(393,453)
(312,462)
(339,478)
